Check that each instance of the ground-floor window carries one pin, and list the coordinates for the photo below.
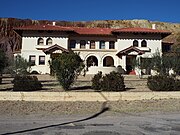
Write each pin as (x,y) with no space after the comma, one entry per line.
(41,60)
(32,60)
(92,61)
(108,61)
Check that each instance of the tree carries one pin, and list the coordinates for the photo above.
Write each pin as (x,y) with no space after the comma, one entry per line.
(18,66)
(67,66)
(3,60)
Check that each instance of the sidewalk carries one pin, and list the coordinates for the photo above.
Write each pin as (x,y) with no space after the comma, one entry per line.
(86,96)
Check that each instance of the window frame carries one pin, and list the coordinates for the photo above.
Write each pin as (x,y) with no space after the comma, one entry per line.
(31,61)
(40,62)
(102,44)
(92,44)
(82,44)
(70,44)
(39,41)
(143,43)
(47,41)
(135,45)
(111,44)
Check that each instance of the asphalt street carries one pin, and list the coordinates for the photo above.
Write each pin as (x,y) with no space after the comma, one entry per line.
(120,124)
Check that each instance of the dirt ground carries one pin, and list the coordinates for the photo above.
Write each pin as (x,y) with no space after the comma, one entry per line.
(43,109)
(22,108)
(133,83)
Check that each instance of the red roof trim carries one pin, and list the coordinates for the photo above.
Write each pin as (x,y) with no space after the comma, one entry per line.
(129,49)
(54,48)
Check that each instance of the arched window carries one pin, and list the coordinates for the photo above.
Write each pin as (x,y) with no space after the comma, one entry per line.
(72,44)
(111,44)
(108,61)
(83,44)
(92,44)
(40,41)
(144,43)
(102,44)
(49,41)
(92,61)
(135,43)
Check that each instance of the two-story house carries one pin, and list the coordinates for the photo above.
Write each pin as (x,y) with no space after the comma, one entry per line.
(102,49)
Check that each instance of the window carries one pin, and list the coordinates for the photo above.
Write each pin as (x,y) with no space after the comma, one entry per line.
(83,44)
(49,41)
(41,60)
(72,44)
(111,44)
(32,60)
(40,41)
(102,44)
(92,44)
(135,43)
(144,43)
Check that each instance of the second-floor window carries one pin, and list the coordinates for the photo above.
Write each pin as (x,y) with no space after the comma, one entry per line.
(82,44)
(72,44)
(40,41)
(49,41)
(135,43)
(92,44)
(111,44)
(102,44)
(144,43)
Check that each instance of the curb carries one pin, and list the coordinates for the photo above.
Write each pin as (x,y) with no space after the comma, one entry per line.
(86,96)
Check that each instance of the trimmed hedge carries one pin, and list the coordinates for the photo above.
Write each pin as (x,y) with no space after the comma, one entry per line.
(113,81)
(26,83)
(163,83)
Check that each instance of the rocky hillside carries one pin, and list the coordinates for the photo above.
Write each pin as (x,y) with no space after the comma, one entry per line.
(10,41)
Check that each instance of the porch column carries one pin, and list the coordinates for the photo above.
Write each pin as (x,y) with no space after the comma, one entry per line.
(124,62)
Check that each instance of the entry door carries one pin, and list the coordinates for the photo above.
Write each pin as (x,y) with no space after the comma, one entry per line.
(130,61)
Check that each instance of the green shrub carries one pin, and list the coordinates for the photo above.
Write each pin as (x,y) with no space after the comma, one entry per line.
(177,85)
(113,82)
(110,82)
(26,83)
(163,83)
(96,81)
(67,66)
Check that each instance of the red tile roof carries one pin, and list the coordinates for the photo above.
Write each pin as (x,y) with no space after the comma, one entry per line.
(140,30)
(45,27)
(92,31)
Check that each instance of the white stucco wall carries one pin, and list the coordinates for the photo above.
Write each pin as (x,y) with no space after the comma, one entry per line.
(30,47)
(123,41)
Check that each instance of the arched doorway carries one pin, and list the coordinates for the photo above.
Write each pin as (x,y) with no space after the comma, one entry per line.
(92,61)
(108,61)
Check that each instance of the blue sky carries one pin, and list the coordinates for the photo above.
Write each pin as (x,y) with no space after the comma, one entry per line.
(87,10)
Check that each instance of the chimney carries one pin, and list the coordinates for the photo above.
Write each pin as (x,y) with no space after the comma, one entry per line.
(153,26)
(54,23)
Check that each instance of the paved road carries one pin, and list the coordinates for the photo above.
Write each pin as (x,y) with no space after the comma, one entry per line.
(120,124)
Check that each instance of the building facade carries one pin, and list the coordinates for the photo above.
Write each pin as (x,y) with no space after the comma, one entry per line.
(102,49)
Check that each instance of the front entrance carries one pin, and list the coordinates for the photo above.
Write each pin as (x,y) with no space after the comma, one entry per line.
(130,61)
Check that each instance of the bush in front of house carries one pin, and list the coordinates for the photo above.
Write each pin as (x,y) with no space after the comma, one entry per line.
(96,81)
(26,83)
(113,81)
(163,83)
